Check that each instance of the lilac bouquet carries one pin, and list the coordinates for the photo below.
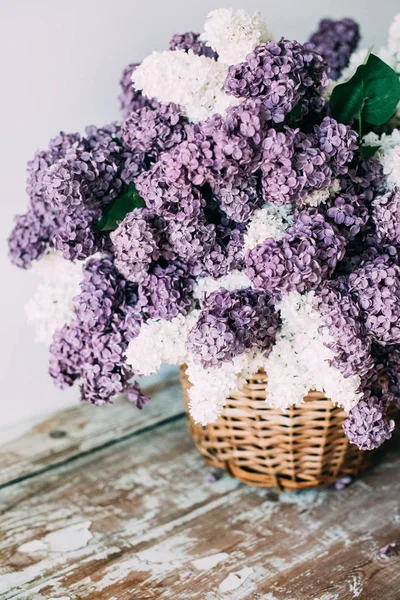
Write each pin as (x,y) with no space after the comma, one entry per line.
(244,215)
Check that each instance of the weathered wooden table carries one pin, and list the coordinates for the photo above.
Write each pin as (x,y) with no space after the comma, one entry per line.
(113,503)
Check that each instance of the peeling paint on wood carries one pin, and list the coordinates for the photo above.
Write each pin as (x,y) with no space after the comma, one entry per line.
(138,520)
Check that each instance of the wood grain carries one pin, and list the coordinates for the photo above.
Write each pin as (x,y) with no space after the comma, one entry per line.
(131,521)
(81,429)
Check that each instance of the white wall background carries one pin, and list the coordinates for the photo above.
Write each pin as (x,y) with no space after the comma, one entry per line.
(61,63)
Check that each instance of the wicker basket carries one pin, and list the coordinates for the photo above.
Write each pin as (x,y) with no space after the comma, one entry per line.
(302,447)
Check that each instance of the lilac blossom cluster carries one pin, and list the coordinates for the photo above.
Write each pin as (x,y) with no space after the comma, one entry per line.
(259,225)
(91,348)
(191,41)
(307,253)
(231,323)
(336,41)
(281,74)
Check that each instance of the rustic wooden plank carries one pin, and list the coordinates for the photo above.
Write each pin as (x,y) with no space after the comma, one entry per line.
(139,521)
(83,428)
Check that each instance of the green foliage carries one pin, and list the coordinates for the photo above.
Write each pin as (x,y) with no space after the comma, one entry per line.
(371,95)
(116,211)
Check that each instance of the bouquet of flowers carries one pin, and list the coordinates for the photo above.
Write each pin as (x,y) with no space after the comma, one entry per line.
(245,215)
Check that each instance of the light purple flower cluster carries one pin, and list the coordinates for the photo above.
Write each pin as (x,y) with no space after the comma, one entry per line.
(295,164)
(92,347)
(335,41)
(308,253)
(149,131)
(281,73)
(367,425)
(349,213)
(191,41)
(386,217)
(33,233)
(231,323)
(341,315)
(139,240)
(375,285)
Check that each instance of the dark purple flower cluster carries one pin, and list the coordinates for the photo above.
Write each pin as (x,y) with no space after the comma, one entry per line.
(349,213)
(191,41)
(367,425)
(150,131)
(281,73)
(130,98)
(335,41)
(295,164)
(92,347)
(238,196)
(166,291)
(308,253)
(386,217)
(375,285)
(341,315)
(231,323)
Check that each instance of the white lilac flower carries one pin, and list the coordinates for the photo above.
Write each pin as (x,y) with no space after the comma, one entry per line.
(159,342)
(234,33)
(235,280)
(51,306)
(300,360)
(271,221)
(388,154)
(211,387)
(321,196)
(194,83)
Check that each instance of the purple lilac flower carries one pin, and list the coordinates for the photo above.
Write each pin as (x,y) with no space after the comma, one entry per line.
(335,41)
(33,231)
(211,249)
(351,344)
(31,237)
(307,254)
(130,98)
(238,196)
(166,291)
(191,41)
(296,164)
(77,238)
(231,323)
(386,217)
(281,73)
(389,551)
(87,176)
(168,191)
(375,285)
(136,396)
(232,144)
(139,241)
(150,131)
(349,214)
(92,347)
(367,425)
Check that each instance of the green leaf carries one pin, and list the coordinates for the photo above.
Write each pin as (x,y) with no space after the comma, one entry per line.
(368,54)
(347,98)
(382,87)
(371,95)
(116,211)
(368,151)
